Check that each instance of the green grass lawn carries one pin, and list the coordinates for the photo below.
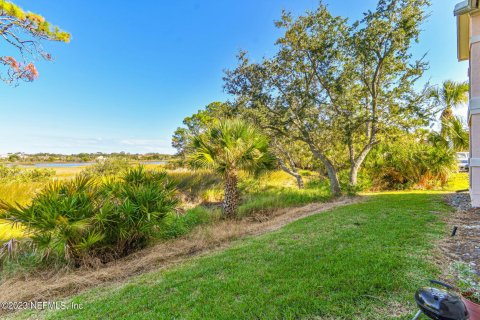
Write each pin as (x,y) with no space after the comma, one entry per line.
(362,261)
(458,181)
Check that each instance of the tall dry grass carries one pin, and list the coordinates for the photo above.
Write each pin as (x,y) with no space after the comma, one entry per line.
(16,192)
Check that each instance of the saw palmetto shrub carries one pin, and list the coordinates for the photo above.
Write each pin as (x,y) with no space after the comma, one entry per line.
(108,167)
(410,163)
(89,220)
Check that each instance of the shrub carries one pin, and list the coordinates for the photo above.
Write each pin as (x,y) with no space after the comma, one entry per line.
(107,167)
(409,163)
(16,174)
(85,220)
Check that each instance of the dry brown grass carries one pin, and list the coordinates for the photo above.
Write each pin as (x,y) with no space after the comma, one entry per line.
(202,240)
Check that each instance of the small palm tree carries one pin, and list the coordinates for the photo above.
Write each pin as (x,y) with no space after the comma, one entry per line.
(459,136)
(456,136)
(227,147)
(449,96)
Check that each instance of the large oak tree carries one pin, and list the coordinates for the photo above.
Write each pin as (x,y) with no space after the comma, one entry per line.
(339,87)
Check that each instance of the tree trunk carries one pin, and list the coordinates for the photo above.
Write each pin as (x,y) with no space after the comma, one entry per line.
(230,201)
(300,183)
(334,183)
(293,172)
(356,163)
(354,174)
(331,171)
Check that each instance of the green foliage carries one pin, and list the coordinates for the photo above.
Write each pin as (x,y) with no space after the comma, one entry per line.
(231,145)
(449,96)
(227,147)
(195,182)
(453,135)
(18,257)
(176,225)
(266,201)
(32,22)
(108,167)
(197,123)
(84,219)
(16,174)
(340,88)
(23,31)
(355,262)
(410,162)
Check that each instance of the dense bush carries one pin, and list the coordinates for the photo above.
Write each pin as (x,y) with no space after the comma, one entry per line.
(16,174)
(410,163)
(85,220)
(107,167)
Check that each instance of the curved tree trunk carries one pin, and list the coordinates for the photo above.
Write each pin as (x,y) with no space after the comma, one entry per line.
(230,201)
(356,163)
(331,171)
(300,183)
(292,171)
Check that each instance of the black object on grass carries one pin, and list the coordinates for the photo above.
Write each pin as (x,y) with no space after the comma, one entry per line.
(454,231)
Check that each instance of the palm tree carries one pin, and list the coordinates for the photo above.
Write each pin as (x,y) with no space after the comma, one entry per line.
(456,136)
(227,147)
(459,136)
(449,96)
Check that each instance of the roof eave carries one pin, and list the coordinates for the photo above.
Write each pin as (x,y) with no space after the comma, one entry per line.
(465,7)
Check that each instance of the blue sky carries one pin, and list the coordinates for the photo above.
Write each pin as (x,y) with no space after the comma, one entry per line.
(134,70)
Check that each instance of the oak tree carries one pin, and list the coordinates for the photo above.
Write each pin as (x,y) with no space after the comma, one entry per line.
(339,87)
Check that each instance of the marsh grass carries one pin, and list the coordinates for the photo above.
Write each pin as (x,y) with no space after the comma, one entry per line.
(16,192)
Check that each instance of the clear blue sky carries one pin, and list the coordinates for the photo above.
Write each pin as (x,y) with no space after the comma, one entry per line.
(133,72)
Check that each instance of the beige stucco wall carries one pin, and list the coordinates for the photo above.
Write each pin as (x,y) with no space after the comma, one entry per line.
(475,117)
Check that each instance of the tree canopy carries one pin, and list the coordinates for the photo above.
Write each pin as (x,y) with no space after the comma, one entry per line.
(24,32)
(339,87)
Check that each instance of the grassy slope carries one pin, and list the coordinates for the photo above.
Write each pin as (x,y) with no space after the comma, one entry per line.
(363,261)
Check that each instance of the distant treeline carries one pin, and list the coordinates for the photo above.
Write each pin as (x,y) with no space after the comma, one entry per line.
(82,157)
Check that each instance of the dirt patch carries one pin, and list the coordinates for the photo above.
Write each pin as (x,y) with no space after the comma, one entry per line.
(465,245)
(202,240)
